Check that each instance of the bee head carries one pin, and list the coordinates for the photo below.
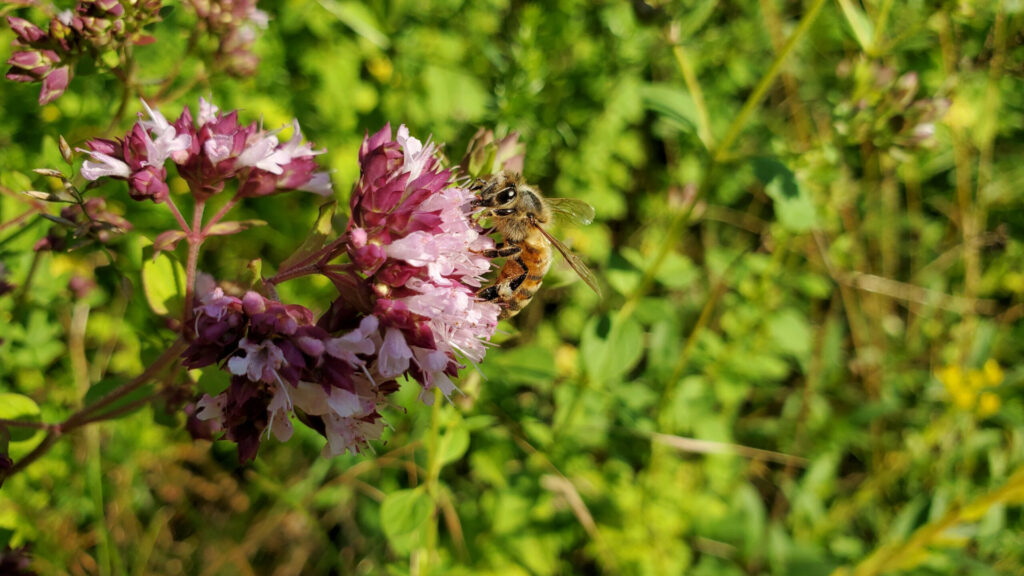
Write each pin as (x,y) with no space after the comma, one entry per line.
(506,196)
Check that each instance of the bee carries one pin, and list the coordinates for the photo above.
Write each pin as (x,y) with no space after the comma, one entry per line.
(520,214)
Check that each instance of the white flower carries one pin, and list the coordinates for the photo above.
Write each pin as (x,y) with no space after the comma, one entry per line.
(394,355)
(106,166)
(167,141)
(416,154)
(260,363)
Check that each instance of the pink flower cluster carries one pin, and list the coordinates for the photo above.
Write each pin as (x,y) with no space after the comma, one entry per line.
(281,363)
(406,307)
(234,24)
(208,151)
(412,240)
(84,32)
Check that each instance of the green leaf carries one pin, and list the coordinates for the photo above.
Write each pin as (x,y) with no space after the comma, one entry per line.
(671,103)
(359,18)
(404,514)
(791,332)
(862,28)
(611,350)
(793,206)
(213,381)
(454,444)
(22,408)
(525,365)
(163,280)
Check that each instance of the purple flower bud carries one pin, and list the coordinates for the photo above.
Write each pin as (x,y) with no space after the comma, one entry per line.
(54,84)
(26,31)
(16,75)
(30,60)
(259,183)
(149,184)
(368,258)
(109,147)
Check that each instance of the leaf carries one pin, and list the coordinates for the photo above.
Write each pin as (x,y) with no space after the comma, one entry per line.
(323,229)
(454,444)
(791,332)
(793,207)
(611,350)
(403,515)
(862,28)
(233,227)
(673,104)
(163,280)
(359,18)
(22,408)
(167,240)
(104,387)
(525,364)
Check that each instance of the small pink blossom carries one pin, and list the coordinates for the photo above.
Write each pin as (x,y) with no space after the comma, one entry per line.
(103,165)
(260,363)
(394,355)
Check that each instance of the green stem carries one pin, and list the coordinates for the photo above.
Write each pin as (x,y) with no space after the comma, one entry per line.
(721,153)
(690,77)
(880,23)
(426,553)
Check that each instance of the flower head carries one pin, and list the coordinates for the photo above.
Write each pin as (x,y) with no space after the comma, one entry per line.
(86,31)
(406,303)
(234,23)
(412,237)
(281,364)
(208,152)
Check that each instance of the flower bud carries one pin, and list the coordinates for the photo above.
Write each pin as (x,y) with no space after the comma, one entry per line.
(149,184)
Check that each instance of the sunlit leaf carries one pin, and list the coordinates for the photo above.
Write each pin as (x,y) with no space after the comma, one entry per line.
(20,408)
(403,515)
(163,279)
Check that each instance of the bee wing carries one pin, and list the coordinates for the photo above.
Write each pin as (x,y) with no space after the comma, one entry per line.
(574,262)
(571,210)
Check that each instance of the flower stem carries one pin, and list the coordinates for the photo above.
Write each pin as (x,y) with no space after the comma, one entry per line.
(721,153)
(177,216)
(426,553)
(87,413)
(195,241)
(23,424)
(220,214)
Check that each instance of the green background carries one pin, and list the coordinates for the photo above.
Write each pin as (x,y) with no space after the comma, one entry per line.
(805,362)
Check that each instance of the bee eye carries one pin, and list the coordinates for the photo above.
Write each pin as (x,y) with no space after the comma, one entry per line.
(506,195)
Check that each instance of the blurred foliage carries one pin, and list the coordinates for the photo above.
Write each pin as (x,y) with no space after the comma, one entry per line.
(809,222)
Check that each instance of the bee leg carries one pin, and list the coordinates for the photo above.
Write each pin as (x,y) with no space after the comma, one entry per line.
(503,251)
(488,294)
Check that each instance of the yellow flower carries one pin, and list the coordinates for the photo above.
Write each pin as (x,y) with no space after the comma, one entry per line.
(968,390)
(993,372)
(988,404)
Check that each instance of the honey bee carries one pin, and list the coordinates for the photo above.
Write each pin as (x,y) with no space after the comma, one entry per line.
(520,214)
